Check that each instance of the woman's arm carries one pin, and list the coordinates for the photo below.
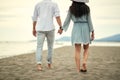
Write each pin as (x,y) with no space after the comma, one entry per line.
(67,21)
(91,27)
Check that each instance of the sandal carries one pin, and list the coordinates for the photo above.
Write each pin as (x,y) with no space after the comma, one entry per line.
(84,68)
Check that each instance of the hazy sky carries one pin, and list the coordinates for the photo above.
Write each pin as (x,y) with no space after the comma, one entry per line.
(16,22)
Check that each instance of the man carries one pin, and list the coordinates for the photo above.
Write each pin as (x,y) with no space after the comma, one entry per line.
(43,27)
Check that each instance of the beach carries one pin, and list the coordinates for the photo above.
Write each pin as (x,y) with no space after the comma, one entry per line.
(18,45)
(103,64)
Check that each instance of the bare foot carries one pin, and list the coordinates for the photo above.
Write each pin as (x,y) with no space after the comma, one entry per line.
(39,67)
(84,66)
(49,66)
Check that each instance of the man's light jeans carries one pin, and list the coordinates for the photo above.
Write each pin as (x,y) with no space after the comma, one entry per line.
(41,35)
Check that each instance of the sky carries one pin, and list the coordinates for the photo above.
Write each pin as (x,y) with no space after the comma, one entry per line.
(16,22)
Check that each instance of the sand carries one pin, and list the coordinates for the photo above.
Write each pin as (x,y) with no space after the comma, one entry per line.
(103,64)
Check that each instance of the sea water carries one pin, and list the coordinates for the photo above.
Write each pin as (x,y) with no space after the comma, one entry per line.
(8,49)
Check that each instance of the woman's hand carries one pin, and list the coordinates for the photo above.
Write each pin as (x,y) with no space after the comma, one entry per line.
(92,36)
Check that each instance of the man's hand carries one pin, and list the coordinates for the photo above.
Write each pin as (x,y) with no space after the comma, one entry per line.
(34,33)
(60,31)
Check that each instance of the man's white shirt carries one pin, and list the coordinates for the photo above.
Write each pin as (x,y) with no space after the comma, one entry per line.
(43,13)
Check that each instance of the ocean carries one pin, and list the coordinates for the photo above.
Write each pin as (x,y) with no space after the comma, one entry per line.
(8,49)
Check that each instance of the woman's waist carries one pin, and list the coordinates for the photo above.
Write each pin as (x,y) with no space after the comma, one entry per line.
(80,21)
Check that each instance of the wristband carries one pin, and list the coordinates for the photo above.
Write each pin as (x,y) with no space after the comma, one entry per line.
(61,28)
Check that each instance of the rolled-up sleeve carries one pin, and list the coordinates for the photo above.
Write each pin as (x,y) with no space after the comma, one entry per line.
(90,23)
(35,14)
(56,11)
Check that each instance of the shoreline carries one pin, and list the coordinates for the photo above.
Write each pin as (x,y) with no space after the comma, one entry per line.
(18,47)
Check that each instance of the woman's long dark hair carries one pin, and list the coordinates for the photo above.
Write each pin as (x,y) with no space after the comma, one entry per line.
(79,9)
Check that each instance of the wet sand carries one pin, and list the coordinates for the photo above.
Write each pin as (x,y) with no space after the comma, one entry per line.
(103,64)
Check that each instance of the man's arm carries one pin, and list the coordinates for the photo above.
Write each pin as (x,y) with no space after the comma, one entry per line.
(58,19)
(34,30)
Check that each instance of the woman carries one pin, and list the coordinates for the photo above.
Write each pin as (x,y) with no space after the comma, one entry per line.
(82,32)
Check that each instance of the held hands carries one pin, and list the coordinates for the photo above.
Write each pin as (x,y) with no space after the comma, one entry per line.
(60,31)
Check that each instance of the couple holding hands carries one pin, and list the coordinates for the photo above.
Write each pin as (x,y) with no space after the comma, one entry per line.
(82,32)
